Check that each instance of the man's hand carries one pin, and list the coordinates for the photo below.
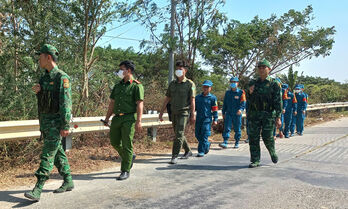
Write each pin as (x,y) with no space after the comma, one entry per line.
(160,116)
(214,123)
(239,112)
(64,133)
(295,113)
(251,89)
(138,126)
(283,111)
(192,119)
(36,89)
(278,122)
(304,111)
(106,122)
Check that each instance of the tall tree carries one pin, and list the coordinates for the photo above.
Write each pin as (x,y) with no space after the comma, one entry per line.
(192,19)
(91,16)
(291,79)
(284,41)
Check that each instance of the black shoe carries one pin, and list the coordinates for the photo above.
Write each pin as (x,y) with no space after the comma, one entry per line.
(187,155)
(174,160)
(123,176)
(274,158)
(134,156)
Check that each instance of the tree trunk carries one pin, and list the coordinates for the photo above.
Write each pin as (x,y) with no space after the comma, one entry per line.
(15,53)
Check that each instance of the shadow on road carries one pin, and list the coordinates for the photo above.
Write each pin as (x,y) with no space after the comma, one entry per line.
(89,176)
(8,196)
(154,154)
(203,167)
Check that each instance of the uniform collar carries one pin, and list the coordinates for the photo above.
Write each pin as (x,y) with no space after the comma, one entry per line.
(208,95)
(183,81)
(268,78)
(53,71)
(236,90)
(130,80)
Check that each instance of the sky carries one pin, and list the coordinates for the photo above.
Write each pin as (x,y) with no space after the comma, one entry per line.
(326,13)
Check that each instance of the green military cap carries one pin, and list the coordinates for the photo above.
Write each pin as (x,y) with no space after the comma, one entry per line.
(264,62)
(48,49)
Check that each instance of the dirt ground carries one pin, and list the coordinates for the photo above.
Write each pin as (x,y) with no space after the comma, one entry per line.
(92,152)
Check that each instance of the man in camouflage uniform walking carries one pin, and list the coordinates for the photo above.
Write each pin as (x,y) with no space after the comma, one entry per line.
(264,107)
(54,105)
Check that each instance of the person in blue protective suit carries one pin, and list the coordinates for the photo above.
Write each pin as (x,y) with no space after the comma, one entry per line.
(285,104)
(232,111)
(290,112)
(302,101)
(206,107)
(293,123)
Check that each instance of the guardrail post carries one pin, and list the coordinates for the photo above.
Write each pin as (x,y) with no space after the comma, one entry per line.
(243,123)
(152,131)
(67,143)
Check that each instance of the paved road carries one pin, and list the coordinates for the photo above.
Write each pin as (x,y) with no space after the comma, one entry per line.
(312,173)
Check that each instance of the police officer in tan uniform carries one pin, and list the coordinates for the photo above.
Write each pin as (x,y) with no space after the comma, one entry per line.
(181,95)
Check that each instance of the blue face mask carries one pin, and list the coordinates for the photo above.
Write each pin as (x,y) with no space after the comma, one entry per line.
(233,85)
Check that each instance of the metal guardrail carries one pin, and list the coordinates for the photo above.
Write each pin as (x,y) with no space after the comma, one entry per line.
(30,128)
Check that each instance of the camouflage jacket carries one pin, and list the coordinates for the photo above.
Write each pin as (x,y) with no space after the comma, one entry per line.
(54,98)
(266,97)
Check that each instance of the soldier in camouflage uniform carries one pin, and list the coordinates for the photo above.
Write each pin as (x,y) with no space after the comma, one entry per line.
(181,95)
(126,104)
(54,106)
(264,107)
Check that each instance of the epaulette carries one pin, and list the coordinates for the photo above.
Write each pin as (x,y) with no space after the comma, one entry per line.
(136,81)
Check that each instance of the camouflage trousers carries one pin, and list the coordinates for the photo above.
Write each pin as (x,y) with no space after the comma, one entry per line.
(52,152)
(261,124)
(179,122)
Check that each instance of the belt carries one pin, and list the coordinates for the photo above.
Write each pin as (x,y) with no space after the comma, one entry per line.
(121,114)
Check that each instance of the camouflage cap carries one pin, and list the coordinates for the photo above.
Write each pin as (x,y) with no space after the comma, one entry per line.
(264,63)
(48,49)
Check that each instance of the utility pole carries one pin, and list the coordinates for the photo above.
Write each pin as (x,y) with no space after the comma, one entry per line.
(171,50)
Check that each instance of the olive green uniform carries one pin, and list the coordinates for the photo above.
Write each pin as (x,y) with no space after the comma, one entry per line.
(264,106)
(125,95)
(54,102)
(180,95)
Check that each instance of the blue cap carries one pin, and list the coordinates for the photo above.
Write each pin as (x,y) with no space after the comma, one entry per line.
(301,86)
(285,86)
(297,86)
(233,85)
(235,79)
(207,83)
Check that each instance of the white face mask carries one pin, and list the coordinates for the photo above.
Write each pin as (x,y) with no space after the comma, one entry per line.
(120,74)
(179,73)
